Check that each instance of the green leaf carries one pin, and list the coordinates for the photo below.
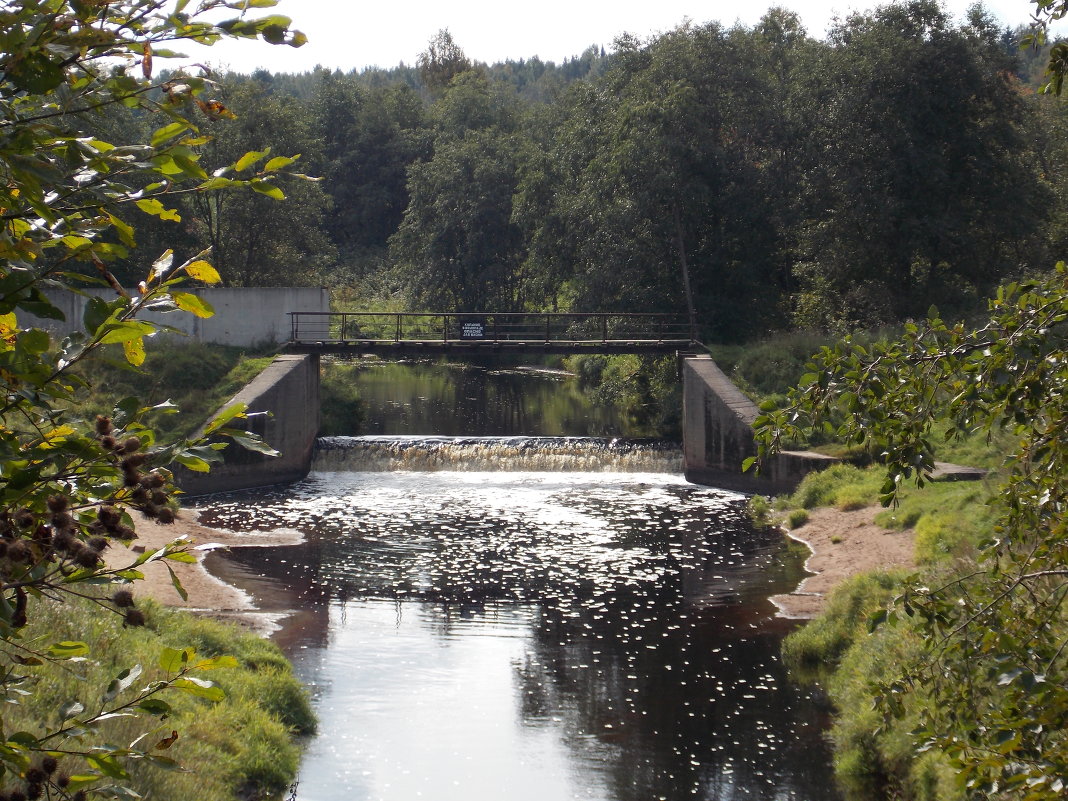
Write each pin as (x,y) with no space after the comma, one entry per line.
(270,190)
(126,232)
(124,332)
(181,556)
(234,410)
(155,706)
(121,683)
(200,688)
(95,313)
(250,442)
(250,158)
(168,132)
(175,582)
(108,765)
(175,659)
(278,162)
(68,649)
(194,463)
(80,781)
(70,709)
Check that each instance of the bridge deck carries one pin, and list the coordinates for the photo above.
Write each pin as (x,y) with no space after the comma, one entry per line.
(415,334)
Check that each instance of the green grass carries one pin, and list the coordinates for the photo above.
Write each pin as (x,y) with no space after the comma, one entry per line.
(241,747)
(198,377)
(820,644)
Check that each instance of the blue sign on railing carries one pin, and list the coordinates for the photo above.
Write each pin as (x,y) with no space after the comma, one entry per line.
(473,329)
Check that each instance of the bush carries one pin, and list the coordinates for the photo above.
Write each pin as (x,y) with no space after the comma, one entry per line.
(823,488)
(759,510)
(796,518)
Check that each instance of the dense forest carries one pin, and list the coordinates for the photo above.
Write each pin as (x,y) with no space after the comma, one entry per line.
(904,160)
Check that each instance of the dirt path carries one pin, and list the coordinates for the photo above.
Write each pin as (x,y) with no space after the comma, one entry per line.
(843,544)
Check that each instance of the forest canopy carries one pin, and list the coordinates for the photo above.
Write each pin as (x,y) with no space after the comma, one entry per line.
(904,159)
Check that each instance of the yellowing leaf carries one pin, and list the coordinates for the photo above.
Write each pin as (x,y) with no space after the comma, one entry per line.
(192,304)
(154,207)
(202,271)
(135,351)
(56,436)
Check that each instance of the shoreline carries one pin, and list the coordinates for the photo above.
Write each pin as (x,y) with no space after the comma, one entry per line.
(207,594)
(842,544)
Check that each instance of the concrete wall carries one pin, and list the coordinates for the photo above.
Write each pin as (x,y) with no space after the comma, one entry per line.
(717,436)
(244,316)
(283,406)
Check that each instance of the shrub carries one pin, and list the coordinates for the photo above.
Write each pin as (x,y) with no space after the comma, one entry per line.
(796,518)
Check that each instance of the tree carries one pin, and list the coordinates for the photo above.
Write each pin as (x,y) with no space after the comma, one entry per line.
(923,190)
(69,487)
(442,61)
(457,243)
(994,664)
(254,239)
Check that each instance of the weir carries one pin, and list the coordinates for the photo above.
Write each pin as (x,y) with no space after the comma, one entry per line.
(505,454)
(717,437)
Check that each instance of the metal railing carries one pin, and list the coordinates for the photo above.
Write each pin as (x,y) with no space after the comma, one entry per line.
(421,327)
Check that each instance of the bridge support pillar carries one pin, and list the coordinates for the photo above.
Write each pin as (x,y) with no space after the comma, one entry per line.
(283,406)
(717,436)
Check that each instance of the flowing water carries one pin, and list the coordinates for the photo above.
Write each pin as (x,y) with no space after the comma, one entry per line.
(581,624)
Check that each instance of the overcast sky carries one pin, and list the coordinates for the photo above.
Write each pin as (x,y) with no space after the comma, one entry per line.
(349,34)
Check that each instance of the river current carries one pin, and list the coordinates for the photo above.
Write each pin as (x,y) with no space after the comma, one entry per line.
(547,633)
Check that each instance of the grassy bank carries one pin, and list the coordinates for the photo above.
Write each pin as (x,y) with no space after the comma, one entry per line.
(243,747)
(875,757)
(197,377)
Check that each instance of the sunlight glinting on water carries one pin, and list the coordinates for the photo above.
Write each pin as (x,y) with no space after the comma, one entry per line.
(549,636)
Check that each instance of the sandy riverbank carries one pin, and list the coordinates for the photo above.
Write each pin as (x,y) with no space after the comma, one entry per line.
(843,544)
(206,593)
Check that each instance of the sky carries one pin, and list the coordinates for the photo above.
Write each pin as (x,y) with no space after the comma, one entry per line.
(348,34)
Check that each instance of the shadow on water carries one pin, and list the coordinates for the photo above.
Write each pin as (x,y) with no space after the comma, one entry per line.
(534,636)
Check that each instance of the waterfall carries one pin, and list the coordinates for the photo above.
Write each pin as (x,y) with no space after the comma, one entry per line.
(480,454)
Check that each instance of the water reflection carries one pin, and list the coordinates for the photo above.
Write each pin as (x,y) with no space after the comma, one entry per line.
(456,400)
(536,635)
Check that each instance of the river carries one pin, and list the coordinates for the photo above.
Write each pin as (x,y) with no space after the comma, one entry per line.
(538,632)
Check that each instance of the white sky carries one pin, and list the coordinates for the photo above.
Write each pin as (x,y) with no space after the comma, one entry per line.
(349,34)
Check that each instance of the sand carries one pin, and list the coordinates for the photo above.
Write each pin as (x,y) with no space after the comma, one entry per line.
(843,544)
(206,593)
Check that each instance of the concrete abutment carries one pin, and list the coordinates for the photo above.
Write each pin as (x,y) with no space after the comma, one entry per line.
(717,420)
(283,405)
